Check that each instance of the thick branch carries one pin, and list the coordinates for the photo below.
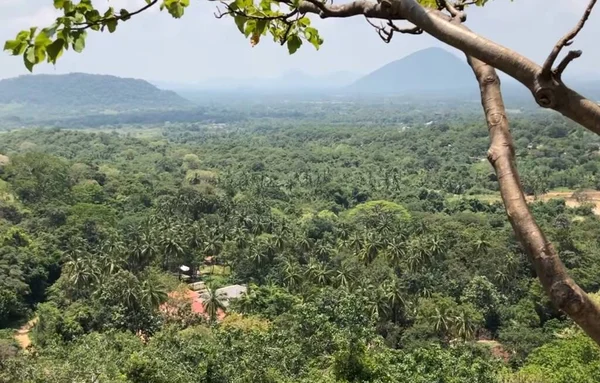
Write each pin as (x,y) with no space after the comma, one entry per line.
(561,289)
(566,40)
(547,93)
(385,9)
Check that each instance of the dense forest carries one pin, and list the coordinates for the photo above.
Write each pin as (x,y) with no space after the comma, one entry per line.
(372,240)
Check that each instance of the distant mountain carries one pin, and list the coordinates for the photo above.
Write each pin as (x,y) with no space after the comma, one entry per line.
(432,70)
(77,90)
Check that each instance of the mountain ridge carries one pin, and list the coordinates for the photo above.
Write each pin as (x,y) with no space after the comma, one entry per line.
(86,90)
(429,70)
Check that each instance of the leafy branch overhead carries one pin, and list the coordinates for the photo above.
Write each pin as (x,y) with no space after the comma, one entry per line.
(284,20)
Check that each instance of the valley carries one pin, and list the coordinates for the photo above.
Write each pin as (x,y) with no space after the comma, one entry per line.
(333,237)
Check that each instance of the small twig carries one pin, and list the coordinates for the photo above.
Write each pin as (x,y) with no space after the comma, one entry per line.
(572,55)
(386,32)
(566,41)
(410,30)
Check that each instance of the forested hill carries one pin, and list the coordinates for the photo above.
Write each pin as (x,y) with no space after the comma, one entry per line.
(81,90)
(432,70)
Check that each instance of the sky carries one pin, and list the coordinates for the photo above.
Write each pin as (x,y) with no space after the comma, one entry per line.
(199,47)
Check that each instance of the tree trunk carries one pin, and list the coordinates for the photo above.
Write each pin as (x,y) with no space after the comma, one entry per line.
(564,293)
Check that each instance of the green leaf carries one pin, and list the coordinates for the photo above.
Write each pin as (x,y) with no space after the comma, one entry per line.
(176,10)
(124,14)
(11,45)
(55,50)
(250,27)
(59,4)
(23,36)
(111,24)
(40,54)
(293,43)
(29,58)
(243,4)
(51,30)
(304,21)
(265,5)
(240,21)
(79,41)
(261,26)
(42,40)
(312,36)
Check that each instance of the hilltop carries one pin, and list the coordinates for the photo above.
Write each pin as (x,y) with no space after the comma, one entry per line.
(78,90)
(426,71)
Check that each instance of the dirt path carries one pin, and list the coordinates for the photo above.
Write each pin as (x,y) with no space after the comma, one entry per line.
(573,199)
(22,334)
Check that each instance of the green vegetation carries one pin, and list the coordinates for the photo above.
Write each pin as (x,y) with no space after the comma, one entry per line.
(372,254)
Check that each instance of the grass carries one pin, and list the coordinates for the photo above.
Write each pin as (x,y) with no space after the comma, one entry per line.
(216,270)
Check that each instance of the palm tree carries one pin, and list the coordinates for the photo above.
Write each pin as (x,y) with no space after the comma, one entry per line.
(153,293)
(213,302)
(369,249)
(292,276)
(80,273)
(258,256)
(344,275)
(317,272)
(109,264)
(442,321)
(463,325)
(482,245)
(323,250)
(395,251)
(393,294)
(171,247)
(131,293)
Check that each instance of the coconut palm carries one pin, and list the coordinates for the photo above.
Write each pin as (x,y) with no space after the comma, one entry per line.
(292,274)
(317,272)
(344,275)
(153,293)
(80,273)
(395,251)
(213,302)
(370,248)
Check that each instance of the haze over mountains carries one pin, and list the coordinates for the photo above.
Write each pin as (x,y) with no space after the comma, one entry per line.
(432,72)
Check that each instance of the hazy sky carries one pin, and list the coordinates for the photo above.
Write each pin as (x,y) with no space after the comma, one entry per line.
(199,47)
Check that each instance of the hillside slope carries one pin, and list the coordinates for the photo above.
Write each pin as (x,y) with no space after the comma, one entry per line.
(426,71)
(83,90)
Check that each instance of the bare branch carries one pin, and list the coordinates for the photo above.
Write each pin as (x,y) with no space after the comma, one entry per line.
(572,55)
(452,10)
(409,30)
(566,40)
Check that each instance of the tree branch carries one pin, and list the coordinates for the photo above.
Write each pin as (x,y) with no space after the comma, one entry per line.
(572,55)
(562,290)
(86,25)
(566,40)
(386,9)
